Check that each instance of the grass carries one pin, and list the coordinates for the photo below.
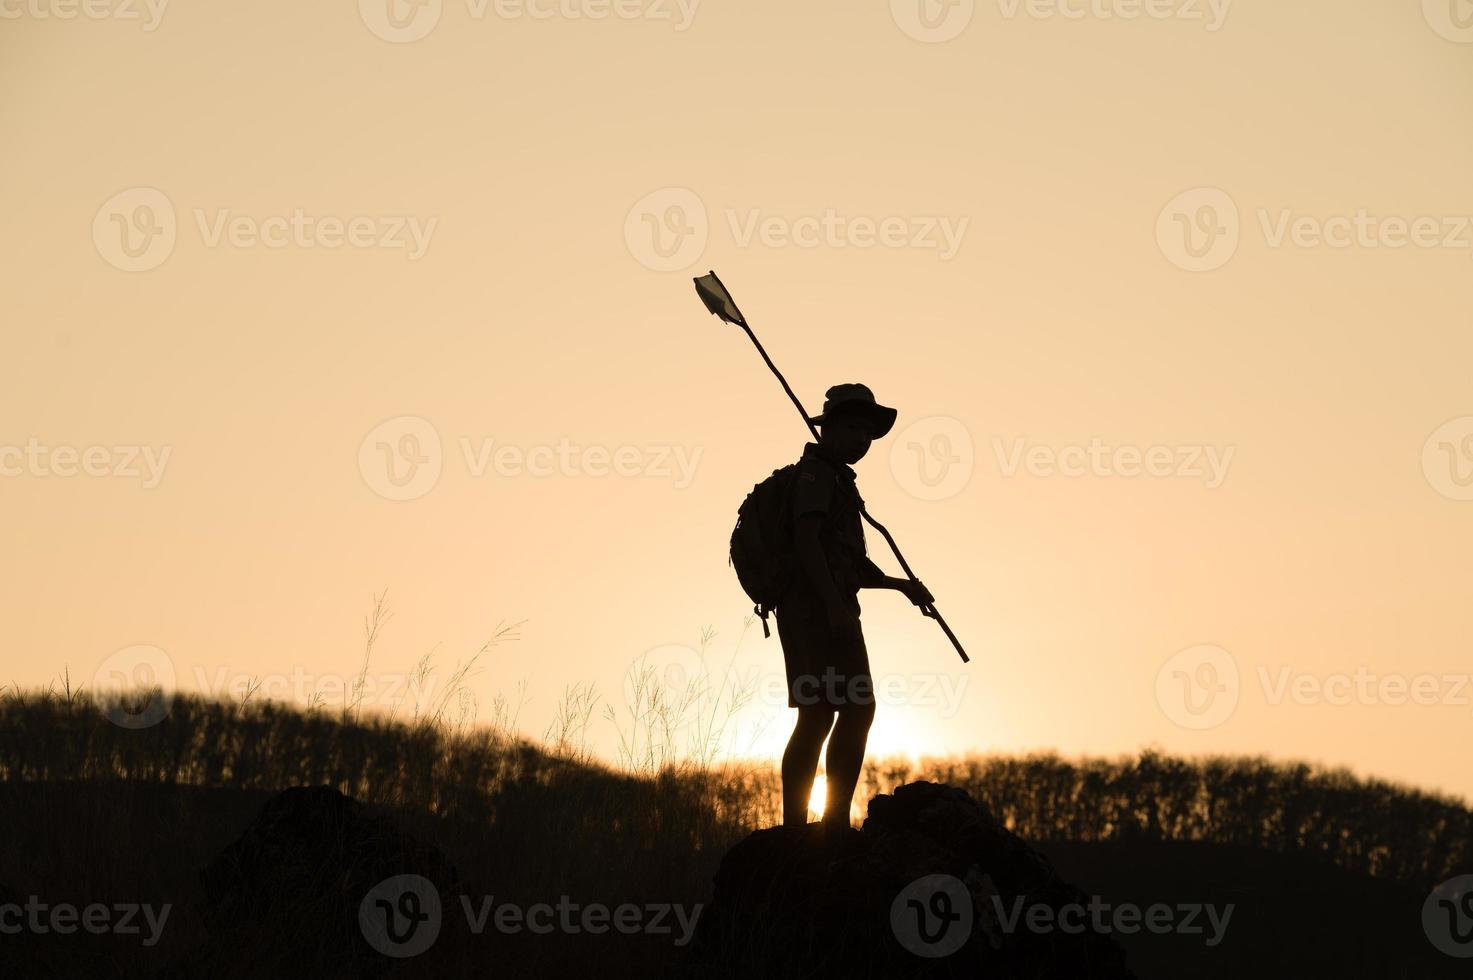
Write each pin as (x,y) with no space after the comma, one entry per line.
(451,770)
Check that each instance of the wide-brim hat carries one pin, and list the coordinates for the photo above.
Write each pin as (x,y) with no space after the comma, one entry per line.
(856,400)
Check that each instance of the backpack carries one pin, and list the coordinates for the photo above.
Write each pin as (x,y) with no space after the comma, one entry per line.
(762,541)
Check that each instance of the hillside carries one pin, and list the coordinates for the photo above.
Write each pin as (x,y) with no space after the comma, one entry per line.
(101,813)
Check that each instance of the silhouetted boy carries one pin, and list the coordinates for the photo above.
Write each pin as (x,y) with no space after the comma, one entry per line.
(818,617)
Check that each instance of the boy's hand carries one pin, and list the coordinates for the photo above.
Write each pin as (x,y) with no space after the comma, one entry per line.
(917,593)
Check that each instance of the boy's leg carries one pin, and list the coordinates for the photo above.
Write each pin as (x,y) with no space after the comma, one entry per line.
(800,761)
(845,760)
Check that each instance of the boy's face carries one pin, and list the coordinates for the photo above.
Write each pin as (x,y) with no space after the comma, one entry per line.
(846,437)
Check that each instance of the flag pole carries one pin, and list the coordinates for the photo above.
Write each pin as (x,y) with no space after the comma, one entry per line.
(719,301)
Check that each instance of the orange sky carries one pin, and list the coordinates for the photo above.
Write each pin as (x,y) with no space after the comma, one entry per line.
(306,301)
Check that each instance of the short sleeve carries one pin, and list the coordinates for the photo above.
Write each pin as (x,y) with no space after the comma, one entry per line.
(813,489)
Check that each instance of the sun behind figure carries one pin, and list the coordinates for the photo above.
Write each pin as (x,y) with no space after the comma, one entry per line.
(817,797)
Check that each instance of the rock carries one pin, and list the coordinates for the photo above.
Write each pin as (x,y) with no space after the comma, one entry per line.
(792,903)
(285,896)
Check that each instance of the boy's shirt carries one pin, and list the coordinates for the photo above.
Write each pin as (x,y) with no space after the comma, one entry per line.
(827,487)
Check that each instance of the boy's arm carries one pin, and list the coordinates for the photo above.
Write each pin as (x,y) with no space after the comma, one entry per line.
(872,576)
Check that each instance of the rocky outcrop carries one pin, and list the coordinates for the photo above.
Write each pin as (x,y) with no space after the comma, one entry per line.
(287,894)
(933,885)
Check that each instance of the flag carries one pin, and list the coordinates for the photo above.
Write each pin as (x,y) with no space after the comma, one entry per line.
(717,299)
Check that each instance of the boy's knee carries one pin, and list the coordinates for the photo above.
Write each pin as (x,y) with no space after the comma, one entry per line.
(815,719)
(857,715)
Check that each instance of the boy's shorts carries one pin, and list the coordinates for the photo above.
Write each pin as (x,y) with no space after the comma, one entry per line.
(820,670)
